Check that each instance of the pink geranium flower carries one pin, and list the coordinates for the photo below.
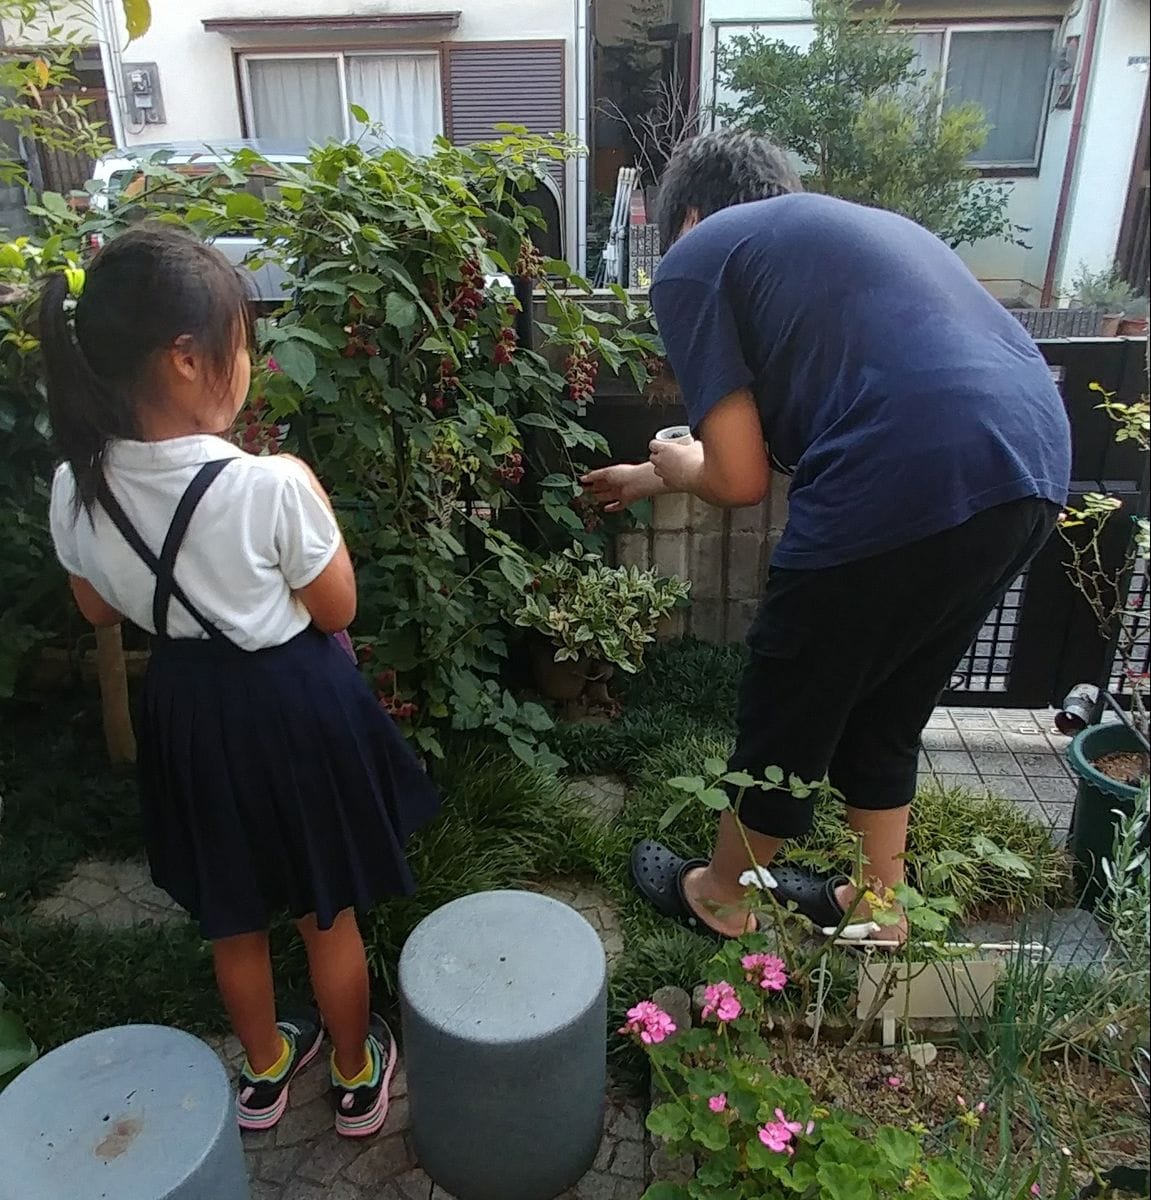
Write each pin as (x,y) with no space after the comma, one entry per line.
(767,970)
(718,1104)
(1035,1189)
(273,366)
(649,1022)
(895,1081)
(721,1002)
(779,1134)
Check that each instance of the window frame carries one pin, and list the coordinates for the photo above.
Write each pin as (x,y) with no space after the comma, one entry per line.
(339,55)
(1023,25)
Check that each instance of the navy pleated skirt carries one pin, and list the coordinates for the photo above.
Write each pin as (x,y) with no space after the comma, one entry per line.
(271,781)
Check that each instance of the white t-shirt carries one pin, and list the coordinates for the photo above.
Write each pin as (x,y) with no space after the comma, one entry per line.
(259,533)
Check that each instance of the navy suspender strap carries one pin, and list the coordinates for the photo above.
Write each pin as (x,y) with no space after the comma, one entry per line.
(162,567)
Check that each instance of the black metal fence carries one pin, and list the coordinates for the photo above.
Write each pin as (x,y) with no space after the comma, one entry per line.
(1043,638)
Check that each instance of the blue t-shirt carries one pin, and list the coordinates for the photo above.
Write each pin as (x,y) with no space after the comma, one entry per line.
(900,395)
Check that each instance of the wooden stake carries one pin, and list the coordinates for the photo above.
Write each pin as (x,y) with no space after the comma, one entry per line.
(113,675)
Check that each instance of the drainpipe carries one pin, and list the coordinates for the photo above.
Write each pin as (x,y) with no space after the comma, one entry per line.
(108,39)
(1071,166)
(693,96)
(582,67)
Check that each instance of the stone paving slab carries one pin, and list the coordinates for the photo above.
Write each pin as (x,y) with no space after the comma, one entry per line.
(602,796)
(304,1159)
(593,904)
(1016,754)
(115,895)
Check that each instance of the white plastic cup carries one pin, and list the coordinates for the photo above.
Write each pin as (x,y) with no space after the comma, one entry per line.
(674,433)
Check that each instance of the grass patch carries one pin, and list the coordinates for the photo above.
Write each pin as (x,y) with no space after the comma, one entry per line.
(503,825)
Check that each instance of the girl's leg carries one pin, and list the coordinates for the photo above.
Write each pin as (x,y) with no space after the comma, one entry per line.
(244,976)
(339,971)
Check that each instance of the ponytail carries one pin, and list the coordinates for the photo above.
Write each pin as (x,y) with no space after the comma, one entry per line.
(85,414)
(144,290)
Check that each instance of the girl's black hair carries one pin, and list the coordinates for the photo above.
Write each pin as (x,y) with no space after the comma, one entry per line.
(716,170)
(143,291)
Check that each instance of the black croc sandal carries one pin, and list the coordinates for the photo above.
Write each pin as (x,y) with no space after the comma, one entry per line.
(658,874)
(812,895)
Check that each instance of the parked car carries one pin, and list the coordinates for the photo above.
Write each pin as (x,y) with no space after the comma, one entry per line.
(121,178)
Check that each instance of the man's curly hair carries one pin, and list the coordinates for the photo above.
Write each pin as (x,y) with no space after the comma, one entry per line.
(716,170)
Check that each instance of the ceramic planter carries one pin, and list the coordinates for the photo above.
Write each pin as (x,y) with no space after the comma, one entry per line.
(1093,823)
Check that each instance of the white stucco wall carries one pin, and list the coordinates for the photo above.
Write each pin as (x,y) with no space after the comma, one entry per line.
(1110,131)
(1107,144)
(197,69)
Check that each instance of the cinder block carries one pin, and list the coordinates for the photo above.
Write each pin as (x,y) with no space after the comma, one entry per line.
(750,520)
(633,550)
(706,620)
(670,512)
(777,501)
(703,517)
(705,565)
(669,554)
(744,559)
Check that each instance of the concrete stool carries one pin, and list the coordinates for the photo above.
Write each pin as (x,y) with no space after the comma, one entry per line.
(135,1113)
(504,998)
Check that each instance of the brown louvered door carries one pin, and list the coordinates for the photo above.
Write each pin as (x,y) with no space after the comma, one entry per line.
(505,83)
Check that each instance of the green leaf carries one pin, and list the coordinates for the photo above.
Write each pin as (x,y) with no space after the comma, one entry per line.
(773,776)
(669,1121)
(715,798)
(715,767)
(244,206)
(364,283)
(401,312)
(739,779)
(672,813)
(359,114)
(666,1191)
(995,854)
(297,362)
(838,1181)
(17,1050)
(686,783)
(137,18)
(947,1181)
(897,1146)
(718,1170)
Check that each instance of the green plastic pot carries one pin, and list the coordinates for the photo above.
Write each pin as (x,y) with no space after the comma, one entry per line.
(1093,824)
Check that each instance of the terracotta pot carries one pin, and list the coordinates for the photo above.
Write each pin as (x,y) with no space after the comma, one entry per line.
(1109,324)
(1133,327)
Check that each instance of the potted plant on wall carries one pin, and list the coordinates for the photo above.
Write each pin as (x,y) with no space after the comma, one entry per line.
(1111,759)
(591,619)
(1134,319)
(1105,292)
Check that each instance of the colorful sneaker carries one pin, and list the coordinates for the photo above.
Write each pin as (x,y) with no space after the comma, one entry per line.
(362,1107)
(261,1100)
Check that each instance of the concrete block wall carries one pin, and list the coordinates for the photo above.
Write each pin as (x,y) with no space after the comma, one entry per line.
(723,553)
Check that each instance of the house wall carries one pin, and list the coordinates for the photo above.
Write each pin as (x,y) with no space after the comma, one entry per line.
(1107,142)
(1111,130)
(197,73)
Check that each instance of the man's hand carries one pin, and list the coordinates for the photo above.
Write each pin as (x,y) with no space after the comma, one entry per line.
(678,464)
(617,487)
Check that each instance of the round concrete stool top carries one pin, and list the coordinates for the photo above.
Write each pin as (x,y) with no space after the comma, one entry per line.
(502,967)
(127,1114)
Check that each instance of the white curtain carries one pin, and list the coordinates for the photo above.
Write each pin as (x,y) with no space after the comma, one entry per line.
(402,93)
(296,100)
(1005,72)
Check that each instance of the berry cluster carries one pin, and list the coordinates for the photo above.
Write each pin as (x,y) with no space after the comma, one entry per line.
(359,343)
(470,294)
(530,264)
(258,436)
(446,387)
(588,512)
(581,369)
(505,346)
(401,710)
(513,469)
